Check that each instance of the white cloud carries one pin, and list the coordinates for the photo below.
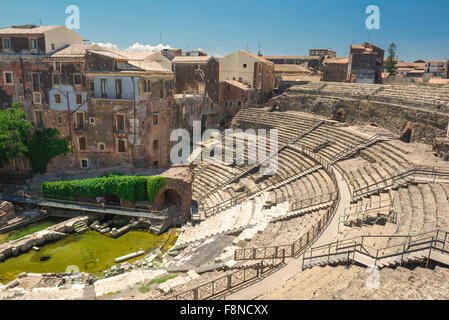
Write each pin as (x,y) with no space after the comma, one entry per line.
(138,47)
(107,45)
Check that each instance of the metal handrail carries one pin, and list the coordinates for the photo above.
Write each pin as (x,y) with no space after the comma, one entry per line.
(300,244)
(428,239)
(224,284)
(69,202)
(411,172)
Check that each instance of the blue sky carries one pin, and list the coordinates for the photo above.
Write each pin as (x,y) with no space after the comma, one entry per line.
(419,28)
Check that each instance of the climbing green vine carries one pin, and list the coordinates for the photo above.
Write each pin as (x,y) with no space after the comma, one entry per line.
(131,188)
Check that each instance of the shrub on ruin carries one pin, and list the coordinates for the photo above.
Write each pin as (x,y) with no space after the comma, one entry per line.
(131,188)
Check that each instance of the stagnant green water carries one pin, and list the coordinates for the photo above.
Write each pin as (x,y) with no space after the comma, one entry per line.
(29,229)
(91,252)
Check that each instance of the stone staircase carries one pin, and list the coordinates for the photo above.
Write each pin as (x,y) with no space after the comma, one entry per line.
(80,226)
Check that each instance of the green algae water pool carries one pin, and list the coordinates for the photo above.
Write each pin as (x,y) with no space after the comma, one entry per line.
(29,229)
(90,251)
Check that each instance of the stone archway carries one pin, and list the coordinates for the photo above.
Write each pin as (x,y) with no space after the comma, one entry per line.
(172,198)
(407,133)
(339,115)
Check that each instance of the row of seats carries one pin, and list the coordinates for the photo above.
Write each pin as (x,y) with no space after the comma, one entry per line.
(410,95)
(419,208)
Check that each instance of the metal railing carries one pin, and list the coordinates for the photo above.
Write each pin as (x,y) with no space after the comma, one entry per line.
(246,195)
(414,174)
(226,283)
(295,248)
(437,240)
(252,167)
(360,145)
(78,205)
(361,213)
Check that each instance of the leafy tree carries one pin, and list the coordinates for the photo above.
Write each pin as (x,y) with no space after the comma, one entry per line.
(14,130)
(390,65)
(44,146)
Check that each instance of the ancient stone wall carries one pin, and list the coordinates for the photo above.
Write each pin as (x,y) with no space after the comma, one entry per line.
(427,124)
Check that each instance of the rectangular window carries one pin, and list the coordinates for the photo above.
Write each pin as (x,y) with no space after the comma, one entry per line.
(37,98)
(161,89)
(52,46)
(82,143)
(58,98)
(8,78)
(92,120)
(147,86)
(36,81)
(155,145)
(118,89)
(80,120)
(91,86)
(101,146)
(77,79)
(33,43)
(6,43)
(104,88)
(120,123)
(57,65)
(84,163)
(39,120)
(59,120)
(56,79)
(78,99)
(155,164)
(121,145)
(155,119)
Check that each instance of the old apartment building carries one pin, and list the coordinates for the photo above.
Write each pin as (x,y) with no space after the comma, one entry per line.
(328,53)
(437,69)
(254,72)
(196,90)
(365,63)
(335,69)
(116,107)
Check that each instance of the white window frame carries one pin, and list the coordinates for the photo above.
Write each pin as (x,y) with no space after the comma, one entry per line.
(92,120)
(81,163)
(37,94)
(101,144)
(12,78)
